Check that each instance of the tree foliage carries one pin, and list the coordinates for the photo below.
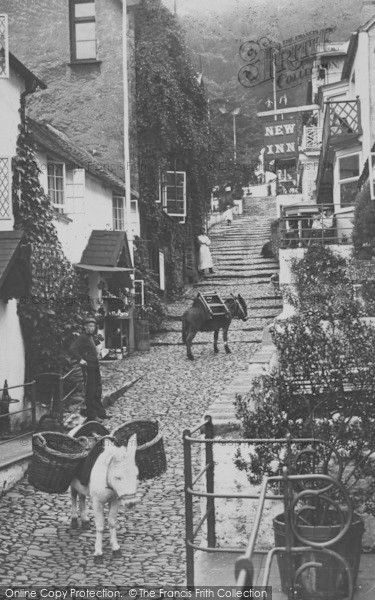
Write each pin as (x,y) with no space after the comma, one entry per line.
(364,224)
(325,381)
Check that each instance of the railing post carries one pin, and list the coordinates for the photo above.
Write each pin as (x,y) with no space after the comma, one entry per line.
(60,400)
(189,527)
(359,116)
(33,404)
(289,538)
(210,483)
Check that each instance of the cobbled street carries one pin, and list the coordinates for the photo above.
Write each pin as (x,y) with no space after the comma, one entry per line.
(37,545)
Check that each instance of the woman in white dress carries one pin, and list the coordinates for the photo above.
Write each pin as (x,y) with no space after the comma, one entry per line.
(228,215)
(205,258)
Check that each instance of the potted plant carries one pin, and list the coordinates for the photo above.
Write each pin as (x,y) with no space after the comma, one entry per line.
(323,389)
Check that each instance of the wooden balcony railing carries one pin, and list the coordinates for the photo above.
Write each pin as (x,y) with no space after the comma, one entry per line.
(342,122)
(312,138)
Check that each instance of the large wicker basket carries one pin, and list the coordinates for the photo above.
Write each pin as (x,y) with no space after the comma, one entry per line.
(150,456)
(56,458)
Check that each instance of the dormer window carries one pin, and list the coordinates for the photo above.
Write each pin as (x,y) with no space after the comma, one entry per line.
(82,31)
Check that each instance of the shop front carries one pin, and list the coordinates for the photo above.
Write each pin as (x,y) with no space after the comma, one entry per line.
(107,262)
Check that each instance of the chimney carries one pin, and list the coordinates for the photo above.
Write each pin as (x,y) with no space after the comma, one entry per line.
(367,11)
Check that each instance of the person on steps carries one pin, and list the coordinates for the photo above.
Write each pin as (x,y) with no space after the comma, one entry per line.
(83,349)
(205,258)
(228,215)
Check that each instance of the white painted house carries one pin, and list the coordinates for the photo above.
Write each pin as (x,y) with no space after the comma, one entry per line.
(89,204)
(16,81)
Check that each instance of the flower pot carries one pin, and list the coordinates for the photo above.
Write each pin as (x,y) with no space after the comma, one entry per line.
(328,582)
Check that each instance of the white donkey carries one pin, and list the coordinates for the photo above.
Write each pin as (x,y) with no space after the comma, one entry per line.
(113,478)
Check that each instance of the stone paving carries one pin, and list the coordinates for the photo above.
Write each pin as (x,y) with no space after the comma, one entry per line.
(37,545)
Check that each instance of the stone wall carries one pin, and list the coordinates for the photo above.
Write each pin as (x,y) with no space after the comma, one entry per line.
(83,100)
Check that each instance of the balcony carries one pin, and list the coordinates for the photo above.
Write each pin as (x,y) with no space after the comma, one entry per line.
(341,128)
(311,139)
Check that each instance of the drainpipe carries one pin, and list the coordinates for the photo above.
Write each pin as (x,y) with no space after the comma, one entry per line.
(126,129)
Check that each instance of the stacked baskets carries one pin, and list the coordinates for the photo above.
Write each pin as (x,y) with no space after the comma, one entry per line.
(150,454)
(56,458)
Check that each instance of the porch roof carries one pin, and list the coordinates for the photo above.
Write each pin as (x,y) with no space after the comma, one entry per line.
(9,246)
(106,251)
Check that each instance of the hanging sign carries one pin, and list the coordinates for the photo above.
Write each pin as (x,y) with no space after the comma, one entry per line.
(280,139)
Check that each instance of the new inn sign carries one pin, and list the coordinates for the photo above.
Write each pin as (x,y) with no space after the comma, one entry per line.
(280,138)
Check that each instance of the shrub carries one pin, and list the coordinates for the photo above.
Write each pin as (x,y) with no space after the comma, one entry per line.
(364,224)
(325,382)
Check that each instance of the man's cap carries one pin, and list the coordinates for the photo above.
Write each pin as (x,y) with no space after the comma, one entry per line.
(88,320)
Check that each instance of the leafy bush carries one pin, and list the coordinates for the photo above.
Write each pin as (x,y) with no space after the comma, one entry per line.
(325,382)
(364,224)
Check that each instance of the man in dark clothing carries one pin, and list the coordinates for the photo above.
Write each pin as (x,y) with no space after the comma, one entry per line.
(83,350)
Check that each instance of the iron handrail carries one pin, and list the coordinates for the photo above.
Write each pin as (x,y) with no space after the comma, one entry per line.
(210,495)
(21,385)
(244,568)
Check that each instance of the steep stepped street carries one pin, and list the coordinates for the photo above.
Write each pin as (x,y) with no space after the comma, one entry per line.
(37,545)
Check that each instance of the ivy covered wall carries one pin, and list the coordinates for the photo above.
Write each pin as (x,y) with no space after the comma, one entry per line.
(52,311)
(174,132)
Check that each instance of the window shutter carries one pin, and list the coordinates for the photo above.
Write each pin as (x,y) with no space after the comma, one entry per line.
(5,189)
(75,191)
(4,50)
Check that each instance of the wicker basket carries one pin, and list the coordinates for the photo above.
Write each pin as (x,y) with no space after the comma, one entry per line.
(55,460)
(150,455)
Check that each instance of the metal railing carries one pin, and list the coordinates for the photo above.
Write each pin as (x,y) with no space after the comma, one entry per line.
(295,543)
(206,478)
(5,415)
(311,224)
(312,138)
(57,398)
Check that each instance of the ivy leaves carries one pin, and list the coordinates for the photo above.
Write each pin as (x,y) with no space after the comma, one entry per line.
(51,314)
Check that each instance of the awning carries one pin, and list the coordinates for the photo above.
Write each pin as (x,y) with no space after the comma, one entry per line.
(103,269)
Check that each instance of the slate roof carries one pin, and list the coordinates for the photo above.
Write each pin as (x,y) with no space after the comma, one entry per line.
(9,242)
(105,248)
(53,140)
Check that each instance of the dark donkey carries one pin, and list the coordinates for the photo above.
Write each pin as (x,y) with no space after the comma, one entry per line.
(195,319)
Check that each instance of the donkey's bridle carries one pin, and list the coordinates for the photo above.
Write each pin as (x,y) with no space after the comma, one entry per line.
(238,310)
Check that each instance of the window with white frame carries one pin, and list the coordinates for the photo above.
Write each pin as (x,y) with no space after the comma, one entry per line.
(139,292)
(174,194)
(56,184)
(4,53)
(133,207)
(75,190)
(348,174)
(118,212)
(82,30)
(5,188)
